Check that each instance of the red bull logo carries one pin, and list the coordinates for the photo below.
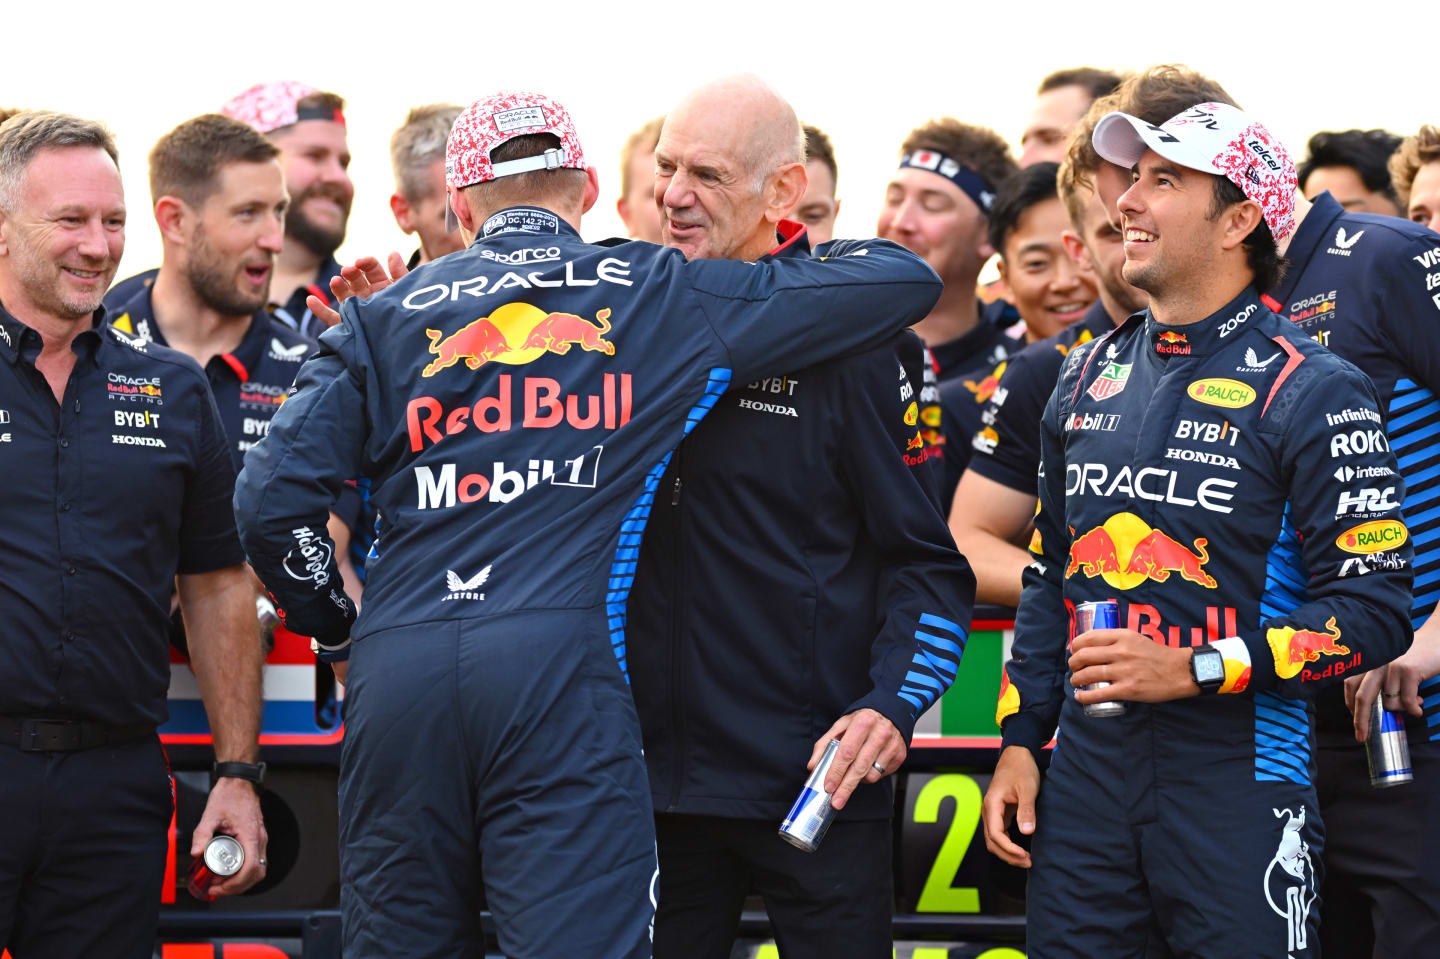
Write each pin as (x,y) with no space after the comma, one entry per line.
(1126,552)
(984,389)
(544,404)
(1293,648)
(1009,703)
(1172,344)
(915,443)
(515,334)
(1148,621)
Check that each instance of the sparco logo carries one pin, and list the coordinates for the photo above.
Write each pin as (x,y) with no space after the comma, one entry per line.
(308,559)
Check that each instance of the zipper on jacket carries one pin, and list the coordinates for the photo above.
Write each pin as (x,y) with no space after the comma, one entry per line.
(677,644)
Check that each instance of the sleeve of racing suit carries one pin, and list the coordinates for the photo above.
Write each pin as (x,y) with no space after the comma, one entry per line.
(787,313)
(1338,581)
(1409,311)
(293,476)
(925,589)
(1032,684)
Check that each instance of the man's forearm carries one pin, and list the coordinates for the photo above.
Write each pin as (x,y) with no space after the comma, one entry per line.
(998,565)
(226,656)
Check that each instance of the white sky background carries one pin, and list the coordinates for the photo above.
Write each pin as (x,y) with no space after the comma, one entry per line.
(865,73)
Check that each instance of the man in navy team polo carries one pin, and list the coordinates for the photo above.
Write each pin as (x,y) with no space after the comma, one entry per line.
(117,490)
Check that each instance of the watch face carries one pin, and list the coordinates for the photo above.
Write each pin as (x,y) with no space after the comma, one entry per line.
(1209,666)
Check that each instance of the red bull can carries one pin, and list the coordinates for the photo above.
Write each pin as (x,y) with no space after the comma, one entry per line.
(222,859)
(1104,614)
(806,823)
(1387,748)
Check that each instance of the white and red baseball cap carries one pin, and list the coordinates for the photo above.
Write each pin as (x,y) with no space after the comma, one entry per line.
(270,106)
(1213,138)
(500,117)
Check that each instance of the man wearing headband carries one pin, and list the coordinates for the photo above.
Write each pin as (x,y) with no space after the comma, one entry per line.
(1215,508)
(514,405)
(937,204)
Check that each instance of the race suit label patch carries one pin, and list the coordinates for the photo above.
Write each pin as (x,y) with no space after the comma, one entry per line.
(1111,381)
(1231,394)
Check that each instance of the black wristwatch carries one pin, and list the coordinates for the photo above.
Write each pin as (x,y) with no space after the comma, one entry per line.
(253,773)
(1207,668)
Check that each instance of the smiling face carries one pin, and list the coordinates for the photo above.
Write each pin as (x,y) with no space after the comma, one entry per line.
(723,176)
(231,252)
(933,218)
(1048,288)
(1170,241)
(62,242)
(316,161)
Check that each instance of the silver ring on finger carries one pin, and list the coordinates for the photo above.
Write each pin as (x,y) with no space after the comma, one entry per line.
(1390,694)
(878,768)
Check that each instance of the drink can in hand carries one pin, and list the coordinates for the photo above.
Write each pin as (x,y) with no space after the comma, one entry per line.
(812,814)
(1104,614)
(1387,748)
(222,859)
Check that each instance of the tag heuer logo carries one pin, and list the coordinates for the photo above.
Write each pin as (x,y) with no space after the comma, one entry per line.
(1111,381)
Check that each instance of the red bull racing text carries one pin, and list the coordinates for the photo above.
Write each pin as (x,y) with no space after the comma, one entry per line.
(545,405)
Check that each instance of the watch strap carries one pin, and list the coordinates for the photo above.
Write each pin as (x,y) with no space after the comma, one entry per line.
(250,772)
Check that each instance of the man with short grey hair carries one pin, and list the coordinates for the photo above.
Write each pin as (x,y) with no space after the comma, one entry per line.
(417,156)
(118,480)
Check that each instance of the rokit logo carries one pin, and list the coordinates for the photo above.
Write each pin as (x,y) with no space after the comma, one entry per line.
(457,588)
(443,488)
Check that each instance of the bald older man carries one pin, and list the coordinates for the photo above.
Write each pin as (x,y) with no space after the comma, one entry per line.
(796,583)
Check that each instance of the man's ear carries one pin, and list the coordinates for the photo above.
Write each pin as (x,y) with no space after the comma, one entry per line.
(175,218)
(1240,221)
(404,214)
(787,188)
(1077,251)
(592,188)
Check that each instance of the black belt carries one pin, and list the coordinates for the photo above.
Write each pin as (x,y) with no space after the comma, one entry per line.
(67,735)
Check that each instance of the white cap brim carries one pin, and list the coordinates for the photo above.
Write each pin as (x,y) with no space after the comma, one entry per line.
(1123,139)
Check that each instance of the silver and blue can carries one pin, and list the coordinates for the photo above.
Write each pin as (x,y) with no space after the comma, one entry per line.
(1103,614)
(1387,748)
(806,822)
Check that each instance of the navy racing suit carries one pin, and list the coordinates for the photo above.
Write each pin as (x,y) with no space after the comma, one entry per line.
(514,406)
(1216,479)
(1368,288)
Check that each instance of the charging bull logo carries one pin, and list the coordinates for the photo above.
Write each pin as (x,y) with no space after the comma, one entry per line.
(985,389)
(515,334)
(1009,703)
(1295,882)
(1293,648)
(1126,552)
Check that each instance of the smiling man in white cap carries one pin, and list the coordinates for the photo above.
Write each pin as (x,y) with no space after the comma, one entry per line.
(1192,471)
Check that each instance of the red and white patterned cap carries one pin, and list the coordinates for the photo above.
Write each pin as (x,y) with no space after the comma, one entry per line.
(270,106)
(1213,138)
